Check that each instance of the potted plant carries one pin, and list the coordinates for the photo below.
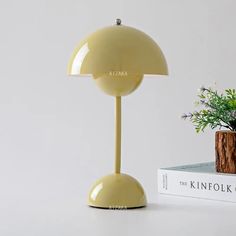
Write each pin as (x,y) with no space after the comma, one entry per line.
(219,111)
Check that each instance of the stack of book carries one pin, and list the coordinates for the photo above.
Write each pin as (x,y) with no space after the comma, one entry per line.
(197,180)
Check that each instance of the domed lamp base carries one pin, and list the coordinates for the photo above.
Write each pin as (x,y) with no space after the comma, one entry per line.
(117,191)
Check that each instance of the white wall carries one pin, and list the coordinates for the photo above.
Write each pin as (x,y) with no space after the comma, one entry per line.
(56,133)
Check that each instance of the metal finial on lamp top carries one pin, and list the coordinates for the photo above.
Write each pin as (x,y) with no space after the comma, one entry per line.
(117,58)
(118,21)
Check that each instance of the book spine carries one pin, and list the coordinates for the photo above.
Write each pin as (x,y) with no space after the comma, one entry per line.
(198,185)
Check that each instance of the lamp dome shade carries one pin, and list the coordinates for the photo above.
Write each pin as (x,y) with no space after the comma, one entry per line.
(117,50)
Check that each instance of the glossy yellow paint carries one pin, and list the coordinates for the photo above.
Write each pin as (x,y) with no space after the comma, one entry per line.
(116,50)
(117,135)
(117,191)
(118,85)
(117,58)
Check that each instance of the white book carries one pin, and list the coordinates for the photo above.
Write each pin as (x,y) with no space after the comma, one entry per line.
(197,180)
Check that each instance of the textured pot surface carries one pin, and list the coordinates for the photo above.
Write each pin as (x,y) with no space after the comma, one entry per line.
(225,151)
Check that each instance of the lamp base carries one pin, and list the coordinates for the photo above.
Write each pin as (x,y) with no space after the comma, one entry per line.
(117,191)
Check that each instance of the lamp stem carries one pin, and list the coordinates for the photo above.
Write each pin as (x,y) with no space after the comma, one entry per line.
(118,135)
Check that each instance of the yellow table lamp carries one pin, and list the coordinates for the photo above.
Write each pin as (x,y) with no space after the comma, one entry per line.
(117,57)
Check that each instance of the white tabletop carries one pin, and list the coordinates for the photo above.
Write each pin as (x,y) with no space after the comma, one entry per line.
(70,216)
